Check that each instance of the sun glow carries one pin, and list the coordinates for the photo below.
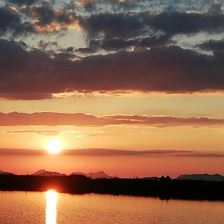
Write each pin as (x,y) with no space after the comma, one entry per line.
(54,146)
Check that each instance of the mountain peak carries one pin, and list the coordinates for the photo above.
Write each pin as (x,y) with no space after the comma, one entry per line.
(46,173)
(93,175)
(5,173)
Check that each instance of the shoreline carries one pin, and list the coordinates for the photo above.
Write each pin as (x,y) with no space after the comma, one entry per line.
(164,189)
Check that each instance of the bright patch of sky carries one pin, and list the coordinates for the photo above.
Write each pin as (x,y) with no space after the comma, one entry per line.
(193,41)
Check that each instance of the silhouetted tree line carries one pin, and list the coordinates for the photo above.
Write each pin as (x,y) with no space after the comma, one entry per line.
(164,187)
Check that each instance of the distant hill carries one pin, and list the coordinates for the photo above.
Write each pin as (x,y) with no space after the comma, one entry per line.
(202,177)
(93,175)
(151,178)
(6,173)
(46,173)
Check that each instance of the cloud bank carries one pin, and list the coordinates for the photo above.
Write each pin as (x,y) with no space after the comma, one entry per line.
(79,119)
(126,44)
(117,152)
(33,75)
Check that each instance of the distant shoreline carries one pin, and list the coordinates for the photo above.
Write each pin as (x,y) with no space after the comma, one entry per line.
(163,188)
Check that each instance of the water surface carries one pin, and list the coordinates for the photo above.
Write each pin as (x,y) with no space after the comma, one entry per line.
(57,208)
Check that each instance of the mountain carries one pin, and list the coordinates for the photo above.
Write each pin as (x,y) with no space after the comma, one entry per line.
(151,178)
(202,177)
(46,173)
(78,173)
(94,175)
(98,175)
(6,173)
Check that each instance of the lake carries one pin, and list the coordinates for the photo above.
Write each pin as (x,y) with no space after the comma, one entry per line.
(51,207)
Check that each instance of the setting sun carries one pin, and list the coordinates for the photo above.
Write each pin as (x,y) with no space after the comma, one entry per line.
(54,146)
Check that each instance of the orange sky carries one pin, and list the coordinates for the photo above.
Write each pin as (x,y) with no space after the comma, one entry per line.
(179,133)
(140,76)
(126,166)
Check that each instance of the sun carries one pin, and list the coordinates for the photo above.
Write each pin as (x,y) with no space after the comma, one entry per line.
(54,146)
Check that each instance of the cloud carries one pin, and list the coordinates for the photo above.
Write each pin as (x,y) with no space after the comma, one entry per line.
(144,153)
(115,18)
(12,22)
(23,2)
(48,19)
(124,51)
(78,119)
(106,19)
(122,44)
(34,74)
(116,152)
(40,132)
(131,25)
(22,152)
(216,46)
(152,5)
(9,19)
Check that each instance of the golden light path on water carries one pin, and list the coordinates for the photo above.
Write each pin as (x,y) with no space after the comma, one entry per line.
(51,207)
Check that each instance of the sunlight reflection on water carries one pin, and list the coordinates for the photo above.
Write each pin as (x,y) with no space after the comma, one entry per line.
(51,207)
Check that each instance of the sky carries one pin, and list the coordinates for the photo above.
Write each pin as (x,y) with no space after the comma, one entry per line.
(131,87)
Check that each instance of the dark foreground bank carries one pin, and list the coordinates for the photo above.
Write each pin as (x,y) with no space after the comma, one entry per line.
(164,188)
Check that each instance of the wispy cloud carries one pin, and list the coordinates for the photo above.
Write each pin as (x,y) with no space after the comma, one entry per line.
(79,119)
(41,132)
(116,152)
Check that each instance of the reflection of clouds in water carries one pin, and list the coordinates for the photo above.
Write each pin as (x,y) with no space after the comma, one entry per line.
(51,207)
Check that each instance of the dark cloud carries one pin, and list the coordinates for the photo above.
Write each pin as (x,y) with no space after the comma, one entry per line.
(87,50)
(155,6)
(216,8)
(33,19)
(23,2)
(9,19)
(48,19)
(17,63)
(33,74)
(109,26)
(117,31)
(115,25)
(52,119)
(216,46)
(116,152)
(134,24)
(94,6)
(187,23)
(28,73)
(121,44)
